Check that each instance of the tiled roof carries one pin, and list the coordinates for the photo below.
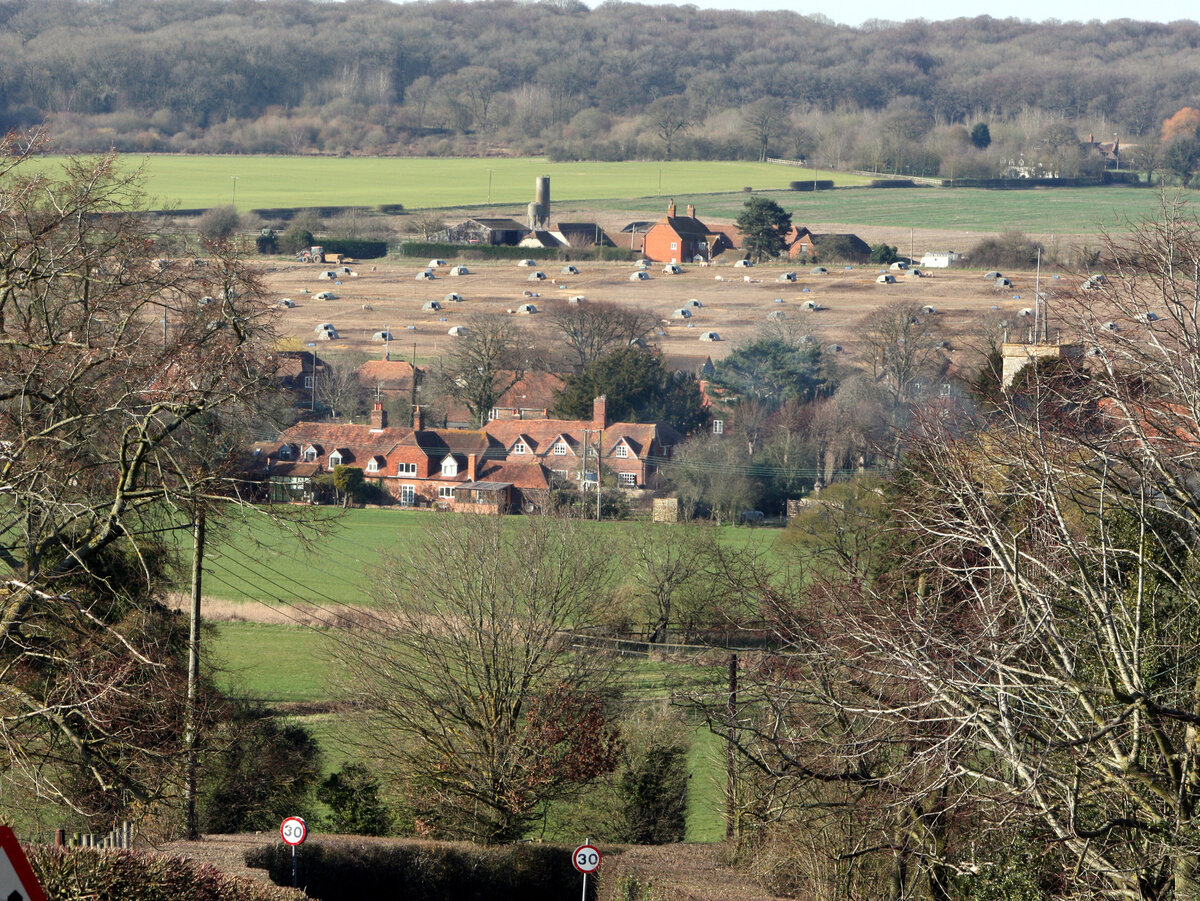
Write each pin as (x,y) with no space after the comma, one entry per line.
(522,475)
(390,375)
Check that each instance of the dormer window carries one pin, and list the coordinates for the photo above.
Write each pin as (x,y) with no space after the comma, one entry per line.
(560,449)
(621,451)
(520,448)
(310,454)
(373,465)
(335,459)
(449,467)
(285,452)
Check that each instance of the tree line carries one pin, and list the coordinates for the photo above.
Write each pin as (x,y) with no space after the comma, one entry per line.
(621,81)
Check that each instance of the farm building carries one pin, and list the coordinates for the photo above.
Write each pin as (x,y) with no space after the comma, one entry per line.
(672,269)
(682,314)
(678,239)
(431,306)
(496,232)
(383,335)
(458,331)
(640,276)
(886,279)
(424,276)
(460,270)
(940,259)
(836,246)
(453,297)
(709,337)
(527,308)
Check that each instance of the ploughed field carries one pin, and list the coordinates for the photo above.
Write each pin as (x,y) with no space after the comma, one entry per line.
(735,302)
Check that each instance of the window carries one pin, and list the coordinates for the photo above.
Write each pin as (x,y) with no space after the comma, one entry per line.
(674,245)
(406,469)
(408,495)
(561,473)
(718,426)
(621,451)
(310,455)
(308,381)
(285,452)
(373,465)
(449,467)
(520,448)
(627,479)
(335,459)
(446,492)
(560,449)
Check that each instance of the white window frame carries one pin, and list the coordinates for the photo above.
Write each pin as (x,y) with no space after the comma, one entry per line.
(335,459)
(627,479)
(621,450)
(560,448)
(408,495)
(372,465)
(520,448)
(406,469)
(449,467)
(718,426)
(445,492)
(674,245)
(308,381)
(310,455)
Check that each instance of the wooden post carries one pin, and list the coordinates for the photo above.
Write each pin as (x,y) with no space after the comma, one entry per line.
(190,727)
(731,817)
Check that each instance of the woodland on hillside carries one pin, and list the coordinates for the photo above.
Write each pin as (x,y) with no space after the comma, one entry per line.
(621,81)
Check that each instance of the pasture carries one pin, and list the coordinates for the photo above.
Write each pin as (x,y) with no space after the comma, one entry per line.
(250,182)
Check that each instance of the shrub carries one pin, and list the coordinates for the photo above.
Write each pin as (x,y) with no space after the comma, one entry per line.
(358,248)
(883,253)
(1011,250)
(295,239)
(352,796)
(219,222)
(423,871)
(81,873)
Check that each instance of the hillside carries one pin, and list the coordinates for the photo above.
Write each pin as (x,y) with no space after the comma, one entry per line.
(621,81)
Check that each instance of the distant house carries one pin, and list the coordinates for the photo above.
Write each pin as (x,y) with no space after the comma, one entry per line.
(298,372)
(805,243)
(507,232)
(388,376)
(508,466)
(683,239)
(577,235)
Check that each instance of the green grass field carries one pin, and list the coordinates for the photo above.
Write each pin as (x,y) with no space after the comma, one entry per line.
(192,182)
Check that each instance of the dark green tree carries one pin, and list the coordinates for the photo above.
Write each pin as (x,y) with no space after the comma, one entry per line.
(639,388)
(763,224)
(654,791)
(981,136)
(884,253)
(352,796)
(1181,158)
(773,371)
(348,480)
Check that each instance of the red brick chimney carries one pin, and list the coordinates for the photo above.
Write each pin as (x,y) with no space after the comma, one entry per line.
(378,418)
(671,207)
(691,211)
(600,412)
(471,464)
(418,418)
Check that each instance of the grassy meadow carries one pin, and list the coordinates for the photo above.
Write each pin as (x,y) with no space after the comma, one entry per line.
(251,182)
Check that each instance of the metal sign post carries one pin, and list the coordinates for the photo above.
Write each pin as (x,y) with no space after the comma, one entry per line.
(293,831)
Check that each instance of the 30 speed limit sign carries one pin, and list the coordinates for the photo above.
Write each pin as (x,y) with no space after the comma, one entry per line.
(293,831)
(586,859)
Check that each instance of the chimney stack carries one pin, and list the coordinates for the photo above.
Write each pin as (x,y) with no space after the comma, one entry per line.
(600,412)
(671,208)
(471,464)
(691,211)
(418,418)
(378,418)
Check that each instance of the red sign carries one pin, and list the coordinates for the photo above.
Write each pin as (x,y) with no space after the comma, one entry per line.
(293,831)
(17,882)
(586,859)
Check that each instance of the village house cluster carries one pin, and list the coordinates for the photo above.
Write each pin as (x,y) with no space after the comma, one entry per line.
(510,465)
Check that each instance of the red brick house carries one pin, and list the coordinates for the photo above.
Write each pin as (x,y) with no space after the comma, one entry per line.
(682,239)
(508,466)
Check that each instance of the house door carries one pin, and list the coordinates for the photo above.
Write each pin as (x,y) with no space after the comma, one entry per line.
(408,495)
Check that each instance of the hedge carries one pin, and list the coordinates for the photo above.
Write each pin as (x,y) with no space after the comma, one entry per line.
(362,870)
(819,184)
(431,249)
(356,248)
(88,874)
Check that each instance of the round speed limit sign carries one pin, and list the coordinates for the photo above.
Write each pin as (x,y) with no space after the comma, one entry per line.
(586,859)
(293,831)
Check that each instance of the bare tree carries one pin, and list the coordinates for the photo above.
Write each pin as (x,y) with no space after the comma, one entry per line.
(592,329)
(764,118)
(116,374)
(488,360)
(340,390)
(472,693)
(672,117)
(903,346)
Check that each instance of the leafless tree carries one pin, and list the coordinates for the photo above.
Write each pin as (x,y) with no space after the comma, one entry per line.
(1028,654)
(765,119)
(340,390)
(489,359)
(903,345)
(465,670)
(118,377)
(592,329)
(672,116)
